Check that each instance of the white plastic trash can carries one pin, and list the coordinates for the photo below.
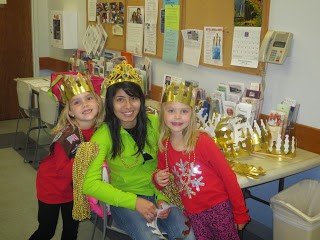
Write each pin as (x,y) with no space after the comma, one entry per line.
(296,212)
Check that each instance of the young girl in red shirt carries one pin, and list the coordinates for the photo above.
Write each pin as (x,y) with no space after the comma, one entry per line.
(83,112)
(208,187)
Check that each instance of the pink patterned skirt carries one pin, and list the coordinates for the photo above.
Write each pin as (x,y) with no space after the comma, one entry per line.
(216,223)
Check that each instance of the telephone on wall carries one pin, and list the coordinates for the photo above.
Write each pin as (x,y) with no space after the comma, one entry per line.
(275,47)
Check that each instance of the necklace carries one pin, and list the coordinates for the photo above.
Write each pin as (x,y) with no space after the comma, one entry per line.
(185,179)
(81,135)
(86,152)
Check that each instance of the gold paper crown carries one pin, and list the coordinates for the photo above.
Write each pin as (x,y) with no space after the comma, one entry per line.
(236,141)
(179,92)
(241,140)
(73,85)
(123,72)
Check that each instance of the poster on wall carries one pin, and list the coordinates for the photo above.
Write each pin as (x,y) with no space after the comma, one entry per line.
(150,27)
(248,13)
(134,36)
(213,46)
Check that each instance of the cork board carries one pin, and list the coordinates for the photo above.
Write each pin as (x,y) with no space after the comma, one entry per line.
(198,14)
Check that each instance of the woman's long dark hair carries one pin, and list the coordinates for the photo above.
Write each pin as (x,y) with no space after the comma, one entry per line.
(133,90)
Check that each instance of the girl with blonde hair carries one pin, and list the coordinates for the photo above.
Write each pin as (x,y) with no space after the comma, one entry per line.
(83,112)
(208,187)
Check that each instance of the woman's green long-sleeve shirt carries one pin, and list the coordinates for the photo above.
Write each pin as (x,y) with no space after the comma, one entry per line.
(130,174)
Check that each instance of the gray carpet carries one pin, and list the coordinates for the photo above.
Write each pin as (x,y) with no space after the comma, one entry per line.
(19,208)
(18,214)
(8,140)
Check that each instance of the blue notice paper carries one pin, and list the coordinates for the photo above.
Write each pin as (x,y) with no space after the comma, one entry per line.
(170,46)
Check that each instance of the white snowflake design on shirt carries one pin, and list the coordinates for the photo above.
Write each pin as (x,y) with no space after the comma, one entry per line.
(187,177)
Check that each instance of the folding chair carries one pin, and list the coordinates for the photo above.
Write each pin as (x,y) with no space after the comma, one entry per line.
(108,224)
(49,112)
(26,108)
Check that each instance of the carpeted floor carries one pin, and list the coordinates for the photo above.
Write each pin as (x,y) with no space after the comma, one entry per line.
(18,143)
(8,139)
(18,212)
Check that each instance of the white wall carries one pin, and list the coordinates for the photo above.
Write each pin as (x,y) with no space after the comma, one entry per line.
(299,76)
(43,27)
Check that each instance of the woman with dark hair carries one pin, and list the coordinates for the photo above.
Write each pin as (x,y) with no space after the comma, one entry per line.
(128,141)
(136,126)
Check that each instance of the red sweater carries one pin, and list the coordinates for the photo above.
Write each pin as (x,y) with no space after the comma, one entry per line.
(54,177)
(212,183)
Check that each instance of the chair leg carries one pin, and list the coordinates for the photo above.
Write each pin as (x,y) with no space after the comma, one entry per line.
(37,144)
(105,223)
(40,126)
(17,128)
(27,141)
(94,226)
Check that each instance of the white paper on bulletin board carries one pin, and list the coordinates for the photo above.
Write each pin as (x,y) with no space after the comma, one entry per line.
(92,10)
(245,46)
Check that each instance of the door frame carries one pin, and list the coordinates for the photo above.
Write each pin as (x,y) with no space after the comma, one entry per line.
(35,36)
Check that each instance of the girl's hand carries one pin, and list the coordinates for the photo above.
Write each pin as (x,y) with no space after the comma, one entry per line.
(162,177)
(165,213)
(240,226)
(146,208)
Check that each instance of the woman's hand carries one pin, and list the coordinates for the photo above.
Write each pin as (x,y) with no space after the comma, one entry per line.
(164,213)
(162,177)
(146,208)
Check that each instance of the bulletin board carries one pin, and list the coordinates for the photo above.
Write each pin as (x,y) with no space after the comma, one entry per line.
(194,14)
(202,13)
(118,43)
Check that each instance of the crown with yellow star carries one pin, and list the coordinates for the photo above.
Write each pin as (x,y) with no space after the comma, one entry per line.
(123,72)
(180,91)
(73,85)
